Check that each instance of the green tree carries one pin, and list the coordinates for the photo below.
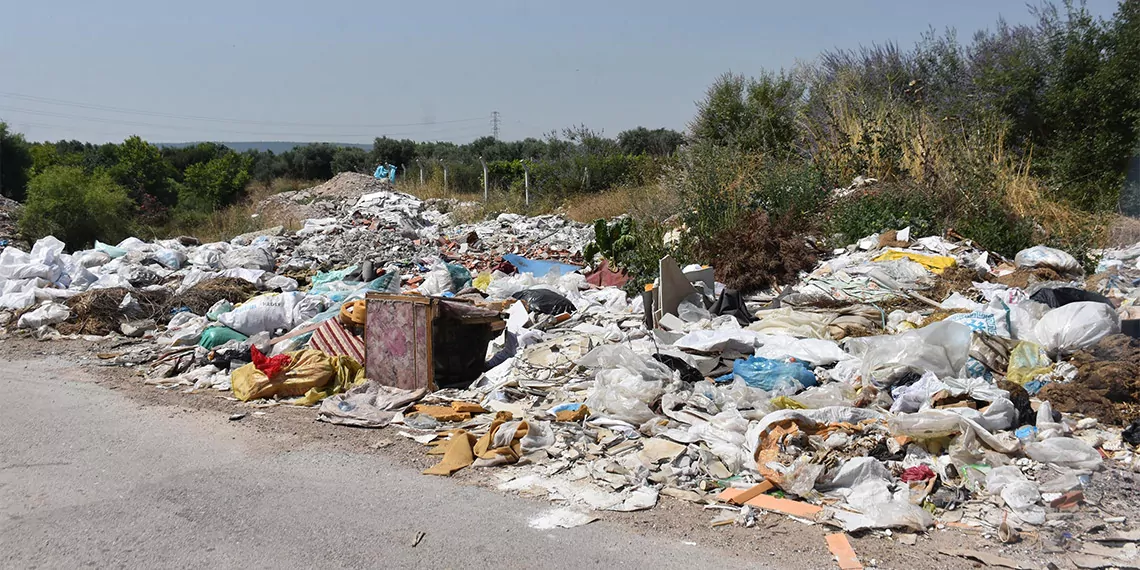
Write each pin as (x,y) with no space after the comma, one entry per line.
(142,170)
(754,115)
(350,159)
(657,142)
(75,207)
(15,163)
(210,185)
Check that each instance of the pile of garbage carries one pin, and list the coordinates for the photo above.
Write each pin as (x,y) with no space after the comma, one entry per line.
(902,383)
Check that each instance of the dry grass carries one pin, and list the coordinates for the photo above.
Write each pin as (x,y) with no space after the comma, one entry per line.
(279,185)
(653,202)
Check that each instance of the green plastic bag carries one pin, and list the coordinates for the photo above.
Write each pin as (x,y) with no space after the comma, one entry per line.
(217,336)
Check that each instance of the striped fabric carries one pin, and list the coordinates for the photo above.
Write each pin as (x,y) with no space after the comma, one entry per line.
(332,339)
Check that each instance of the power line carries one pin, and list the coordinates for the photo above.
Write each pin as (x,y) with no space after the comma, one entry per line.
(467,130)
(228,131)
(65,103)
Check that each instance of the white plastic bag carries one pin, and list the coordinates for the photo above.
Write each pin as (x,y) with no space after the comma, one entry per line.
(1075,326)
(941,348)
(1041,256)
(184,329)
(248,258)
(169,258)
(622,394)
(1065,452)
(815,351)
(1020,494)
(50,313)
(265,313)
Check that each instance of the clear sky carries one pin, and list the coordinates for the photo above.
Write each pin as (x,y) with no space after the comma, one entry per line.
(349,71)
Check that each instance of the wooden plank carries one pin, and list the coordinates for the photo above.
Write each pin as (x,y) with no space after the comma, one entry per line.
(845,555)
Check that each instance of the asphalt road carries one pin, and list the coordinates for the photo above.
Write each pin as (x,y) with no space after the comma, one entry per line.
(90,478)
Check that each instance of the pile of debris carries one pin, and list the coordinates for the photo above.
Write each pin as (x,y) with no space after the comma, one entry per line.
(901,384)
(9,212)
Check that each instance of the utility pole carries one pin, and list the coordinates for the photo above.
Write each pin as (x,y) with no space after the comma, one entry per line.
(495,124)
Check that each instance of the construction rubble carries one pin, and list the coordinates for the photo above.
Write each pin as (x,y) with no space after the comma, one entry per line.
(907,383)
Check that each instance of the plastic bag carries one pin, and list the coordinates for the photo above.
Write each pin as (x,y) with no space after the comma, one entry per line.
(545,301)
(1019,494)
(1076,326)
(169,258)
(114,252)
(92,258)
(248,258)
(776,376)
(1023,318)
(1061,296)
(216,336)
(47,314)
(1041,256)
(816,351)
(625,395)
(307,369)
(927,424)
(1026,362)
(266,313)
(218,309)
(436,282)
(184,329)
(941,348)
(1065,452)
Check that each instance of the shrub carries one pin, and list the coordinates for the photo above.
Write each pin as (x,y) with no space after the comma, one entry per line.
(75,207)
(760,252)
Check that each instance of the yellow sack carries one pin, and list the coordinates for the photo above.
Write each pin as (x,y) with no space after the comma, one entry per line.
(934,263)
(1026,362)
(348,373)
(482,281)
(306,369)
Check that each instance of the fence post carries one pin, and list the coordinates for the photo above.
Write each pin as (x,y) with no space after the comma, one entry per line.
(585,178)
(484,163)
(421,165)
(444,166)
(526,181)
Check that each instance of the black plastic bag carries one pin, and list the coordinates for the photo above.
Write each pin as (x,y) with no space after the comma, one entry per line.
(545,301)
(1131,434)
(688,373)
(1061,296)
(731,303)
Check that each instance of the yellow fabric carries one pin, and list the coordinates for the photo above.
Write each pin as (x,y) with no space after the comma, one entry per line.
(935,263)
(482,282)
(311,374)
(786,403)
(512,452)
(348,374)
(1026,362)
(457,454)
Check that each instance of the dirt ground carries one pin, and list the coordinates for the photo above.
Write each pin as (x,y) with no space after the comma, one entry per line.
(774,541)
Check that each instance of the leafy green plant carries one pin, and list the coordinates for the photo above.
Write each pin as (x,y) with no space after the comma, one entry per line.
(611,241)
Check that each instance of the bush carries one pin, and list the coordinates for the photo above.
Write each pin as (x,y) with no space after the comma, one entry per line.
(75,207)
(887,208)
(760,252)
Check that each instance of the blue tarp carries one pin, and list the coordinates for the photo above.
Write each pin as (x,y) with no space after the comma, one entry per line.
(539,268)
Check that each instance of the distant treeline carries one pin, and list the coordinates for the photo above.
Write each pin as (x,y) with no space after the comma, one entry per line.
(83,191)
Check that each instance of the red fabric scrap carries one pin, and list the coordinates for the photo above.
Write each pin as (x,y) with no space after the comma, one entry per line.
(269,365)
(919,473)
